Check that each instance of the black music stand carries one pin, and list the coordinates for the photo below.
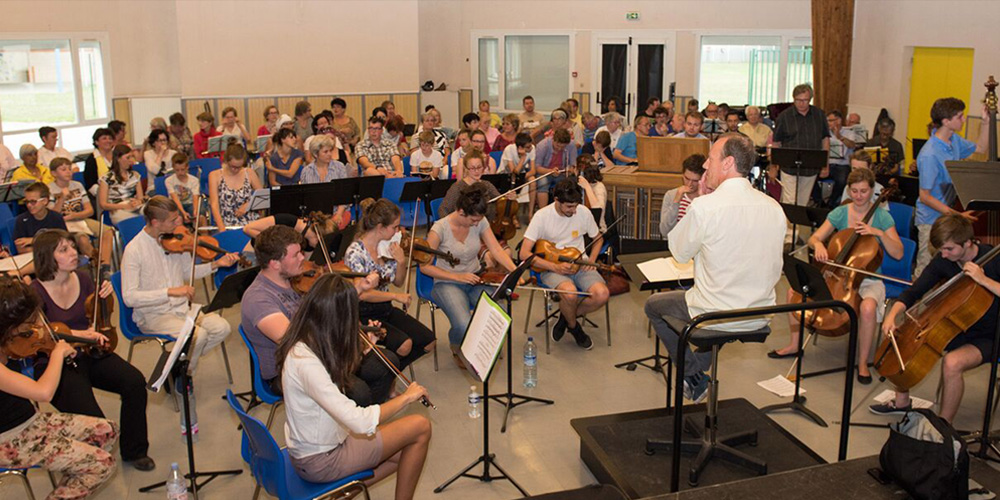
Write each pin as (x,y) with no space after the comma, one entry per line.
(808,282)
(979,182)
(500,181)
(510,398)
(300,199)
(504,290)
(418,191)
(804,216)
(439,188)
(230,293)
(799,162)
(181,367)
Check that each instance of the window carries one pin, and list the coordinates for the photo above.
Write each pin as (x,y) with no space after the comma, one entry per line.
(748,70)
(535,65)
(57,82)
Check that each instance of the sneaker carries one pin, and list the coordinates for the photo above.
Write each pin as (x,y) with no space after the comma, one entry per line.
(559,329)
(582,339)
(696,387)
(889,409)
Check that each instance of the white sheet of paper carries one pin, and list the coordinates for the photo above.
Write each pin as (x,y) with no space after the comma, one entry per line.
(666,269)
(20,260)
(888,395)
(383,246)
(182,337)
(780,386)
(485,336)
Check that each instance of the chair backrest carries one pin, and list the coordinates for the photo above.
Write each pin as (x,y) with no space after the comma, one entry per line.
(126,324)
(392,189)
(160,185)
(424,285)
(140,168)
(130,227)
(435,206)
(267,462)
(902,268)
(205,167)
(78,176)
(264,391)
(7,236)
(902,217)
(496,155)
(406,166)
(232,240)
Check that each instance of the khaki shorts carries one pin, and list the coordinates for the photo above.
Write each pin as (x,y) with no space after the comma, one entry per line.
(355,454)
(874,289)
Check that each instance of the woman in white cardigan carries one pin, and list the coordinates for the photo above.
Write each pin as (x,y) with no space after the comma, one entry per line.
(328,435)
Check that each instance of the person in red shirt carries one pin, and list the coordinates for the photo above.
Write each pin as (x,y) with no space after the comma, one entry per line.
(206,122)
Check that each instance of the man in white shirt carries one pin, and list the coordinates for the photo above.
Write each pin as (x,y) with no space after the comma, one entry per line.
(49,151)
(563,224)
(613,124)
(734,233)
(153,284)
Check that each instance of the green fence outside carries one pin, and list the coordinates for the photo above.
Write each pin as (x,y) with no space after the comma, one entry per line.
(765,71)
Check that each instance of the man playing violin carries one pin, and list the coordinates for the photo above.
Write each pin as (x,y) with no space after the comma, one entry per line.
(733,225)
(153,283)
(270,302)
(860,185)
(952,235)
(564,225)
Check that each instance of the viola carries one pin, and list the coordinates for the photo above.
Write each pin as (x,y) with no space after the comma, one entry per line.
(853,251)
(99,310)
(547,250)
(182,240)
(42,340)
(504,226)
(908,354)
(420,251)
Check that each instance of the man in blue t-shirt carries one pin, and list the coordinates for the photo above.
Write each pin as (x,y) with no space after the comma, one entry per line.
(38,217)
(625,151)
(937,193)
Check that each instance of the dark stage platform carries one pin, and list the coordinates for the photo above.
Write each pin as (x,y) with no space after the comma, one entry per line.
(613,448)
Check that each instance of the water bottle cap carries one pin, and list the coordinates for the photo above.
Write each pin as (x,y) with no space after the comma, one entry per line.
(472,387)
(174,465)
(531,339)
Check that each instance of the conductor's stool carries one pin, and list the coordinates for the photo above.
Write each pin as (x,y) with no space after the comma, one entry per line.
(710,444)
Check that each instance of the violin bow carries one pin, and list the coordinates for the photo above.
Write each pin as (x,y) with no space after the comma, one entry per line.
(399,375)
(409,258)
(322,246)
(194,243)
(97,273)
(515,189)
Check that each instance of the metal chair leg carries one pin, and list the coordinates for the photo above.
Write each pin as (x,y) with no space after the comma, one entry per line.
(131,345)
(433,330)
(527,316)
(225,359)
(548,334)
(607,320)
(270,416)
(22,474)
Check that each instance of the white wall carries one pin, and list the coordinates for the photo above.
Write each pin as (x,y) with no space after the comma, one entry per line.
(885,31)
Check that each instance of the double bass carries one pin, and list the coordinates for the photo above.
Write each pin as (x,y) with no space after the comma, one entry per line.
(853,251)
(987,227)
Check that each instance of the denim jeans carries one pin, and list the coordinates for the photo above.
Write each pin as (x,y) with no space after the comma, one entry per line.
(457,301)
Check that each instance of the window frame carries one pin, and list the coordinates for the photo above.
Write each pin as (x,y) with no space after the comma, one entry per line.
(75,38)
(787,37)
(501,37)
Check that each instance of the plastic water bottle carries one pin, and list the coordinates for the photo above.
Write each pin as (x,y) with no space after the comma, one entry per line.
(176,486)
(530,363)
(474,400)
(193,409)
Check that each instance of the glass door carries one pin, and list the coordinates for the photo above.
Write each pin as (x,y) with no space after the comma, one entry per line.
(630,71)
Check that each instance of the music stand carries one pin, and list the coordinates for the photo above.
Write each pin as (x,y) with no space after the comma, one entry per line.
(440,188)
(419,190)
(799,162)
(504,291)
(979,182)
(181,366)
(260,200)
(499,181)
(13,191)
(301,199)
(809,283)
(804,216)
(230,293)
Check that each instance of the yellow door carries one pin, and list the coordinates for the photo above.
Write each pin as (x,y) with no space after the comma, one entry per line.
(937,72)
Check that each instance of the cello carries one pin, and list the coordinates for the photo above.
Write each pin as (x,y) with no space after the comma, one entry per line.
(853,251)
(908,354)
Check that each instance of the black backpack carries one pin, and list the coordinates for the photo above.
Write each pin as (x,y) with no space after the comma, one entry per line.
(926,457)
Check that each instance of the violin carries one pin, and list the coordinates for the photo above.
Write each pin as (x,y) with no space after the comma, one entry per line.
(547,250)
(312,271)
(855,251)
(99,310)
(504,226)
(420,251)
(910,352)
(42,338)
(182,240)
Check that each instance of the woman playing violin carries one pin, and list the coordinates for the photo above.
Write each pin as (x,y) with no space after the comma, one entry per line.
(462,233)
(328,435)
(958,252)
(76,446)
(63,290)
(860,184)
(377,228)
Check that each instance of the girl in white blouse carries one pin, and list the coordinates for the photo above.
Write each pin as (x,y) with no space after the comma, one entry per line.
(328,435)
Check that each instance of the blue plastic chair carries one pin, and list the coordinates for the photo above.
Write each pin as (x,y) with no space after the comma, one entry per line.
(140,168)
(435,206)
(78,176)
(127,326)
(549,314)
(424,284)
(496,155)
(902,268)
(272,467)
(232,240)
(902,216)
(406,166)
(7,235)
(129,228)
(160,185)
(205,166)
(392,189)
(261,392)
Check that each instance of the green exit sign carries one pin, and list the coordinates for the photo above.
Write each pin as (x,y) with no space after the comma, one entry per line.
(632,16)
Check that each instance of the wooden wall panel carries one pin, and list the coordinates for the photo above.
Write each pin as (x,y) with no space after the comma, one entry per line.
(123,111)
(193,108)
(407,107)
(465,104)
(319,103)
(255,113)
(286,105)
(832,37)
(355,109)
(373,101)
(238,103)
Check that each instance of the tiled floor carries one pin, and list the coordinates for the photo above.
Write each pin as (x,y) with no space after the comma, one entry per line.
(539,450)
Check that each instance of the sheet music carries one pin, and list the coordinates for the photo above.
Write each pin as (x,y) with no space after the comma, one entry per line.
(262,142)
(484,337)
(20,260)
(383,246)
(182,338)
(260,199)
(666,269)
(781,386)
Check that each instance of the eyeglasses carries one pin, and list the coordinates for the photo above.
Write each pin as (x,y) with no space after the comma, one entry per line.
(32,202)
(476,169)
(374,128)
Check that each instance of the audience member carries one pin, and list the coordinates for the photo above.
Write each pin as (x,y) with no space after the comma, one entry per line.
(303,120)
(613,125)
(183,188)
(626,153)
(120,192)
(180,135)
(7,163)
(118,128)
(661,123)
(600,149)
(676,201)
(590,125)
(491,132)
(531,121)
(344,126)
(376,157)
(49,150)
(285,160)
(159,159)
(37,217)
(651,104)
(732,121)
(206,130)
(572,107)
(755,129)
(233,127)
(425,160)
(494,121)
(99,163)
(230,189)
(394,134)
(270,126)
(508,132)
(30,169)
(70,199)
(428,122)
